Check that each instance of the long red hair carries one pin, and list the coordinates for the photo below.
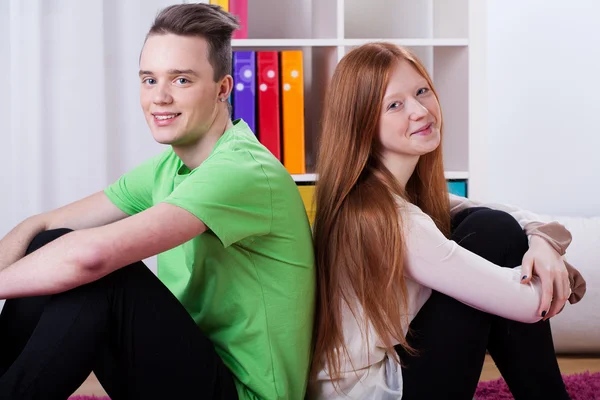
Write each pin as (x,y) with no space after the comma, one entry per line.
(359,251)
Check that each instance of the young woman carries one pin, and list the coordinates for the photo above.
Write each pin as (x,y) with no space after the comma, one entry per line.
(414,285)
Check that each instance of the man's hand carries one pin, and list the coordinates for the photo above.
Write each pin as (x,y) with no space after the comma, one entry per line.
(542,260)
(92,211)
(15,243)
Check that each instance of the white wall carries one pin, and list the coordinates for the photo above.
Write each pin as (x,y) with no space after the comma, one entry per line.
(72,122)
(543,74)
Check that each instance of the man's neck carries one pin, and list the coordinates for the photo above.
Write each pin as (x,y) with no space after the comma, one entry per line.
(195,153)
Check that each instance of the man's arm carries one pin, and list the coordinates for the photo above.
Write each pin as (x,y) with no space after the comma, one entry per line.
(92,211)
(86,255)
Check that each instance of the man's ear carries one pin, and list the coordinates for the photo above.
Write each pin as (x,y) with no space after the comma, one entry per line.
(225,87)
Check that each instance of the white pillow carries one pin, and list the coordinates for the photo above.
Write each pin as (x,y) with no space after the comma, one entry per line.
(577,328)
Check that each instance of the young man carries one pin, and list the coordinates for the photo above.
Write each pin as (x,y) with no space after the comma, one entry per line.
(231,312)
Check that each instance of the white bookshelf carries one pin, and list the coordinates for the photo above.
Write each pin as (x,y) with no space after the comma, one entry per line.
(325,30)
(305,178)
(249,43)
(311,178)
(287,43)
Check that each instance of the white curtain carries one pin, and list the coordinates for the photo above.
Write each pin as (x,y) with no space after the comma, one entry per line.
(70,119)
(69,98)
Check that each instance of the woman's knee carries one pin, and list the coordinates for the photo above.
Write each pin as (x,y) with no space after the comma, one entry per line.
(494,235)
(459,217)
(45,237)
(494,222)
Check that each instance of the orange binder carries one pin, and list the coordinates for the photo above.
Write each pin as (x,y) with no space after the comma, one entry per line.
(292,111)
(222,3)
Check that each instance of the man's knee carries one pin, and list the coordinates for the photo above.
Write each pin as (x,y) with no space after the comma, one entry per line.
(46,237)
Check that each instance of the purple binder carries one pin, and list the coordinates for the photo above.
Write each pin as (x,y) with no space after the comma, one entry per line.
(244,87)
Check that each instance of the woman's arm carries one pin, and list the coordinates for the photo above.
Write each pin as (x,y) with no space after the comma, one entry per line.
(442,265)
(542,226)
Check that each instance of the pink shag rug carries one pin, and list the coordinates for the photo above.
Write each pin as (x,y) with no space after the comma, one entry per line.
(584,386)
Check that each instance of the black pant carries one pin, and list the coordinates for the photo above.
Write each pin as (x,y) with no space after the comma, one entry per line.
(451,338)
(126,327)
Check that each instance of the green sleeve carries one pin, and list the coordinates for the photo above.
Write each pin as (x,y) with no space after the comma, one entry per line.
(132,192)
(230,193)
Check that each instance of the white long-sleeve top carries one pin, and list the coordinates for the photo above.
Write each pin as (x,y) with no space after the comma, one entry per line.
(431,262)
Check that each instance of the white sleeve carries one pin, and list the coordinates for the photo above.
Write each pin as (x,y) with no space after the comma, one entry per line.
(442,265)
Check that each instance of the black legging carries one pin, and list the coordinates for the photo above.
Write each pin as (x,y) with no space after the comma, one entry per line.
(452,338)
(127,327)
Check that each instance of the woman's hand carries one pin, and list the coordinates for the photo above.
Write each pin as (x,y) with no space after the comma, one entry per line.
(542,260)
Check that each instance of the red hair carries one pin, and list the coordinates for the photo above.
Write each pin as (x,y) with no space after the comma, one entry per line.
(359,251)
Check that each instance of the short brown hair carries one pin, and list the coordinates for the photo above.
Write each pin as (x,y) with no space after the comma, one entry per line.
(208,21)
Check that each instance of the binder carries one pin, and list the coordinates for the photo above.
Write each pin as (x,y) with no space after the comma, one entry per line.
(239,8)
(292,111)
(307,192)
(244,84)
(457,187)
(222,3)
(269,131)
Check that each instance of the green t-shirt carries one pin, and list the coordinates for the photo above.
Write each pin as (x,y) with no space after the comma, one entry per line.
(249,281)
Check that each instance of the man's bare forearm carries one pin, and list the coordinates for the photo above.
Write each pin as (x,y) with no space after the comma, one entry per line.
(65,263)
(14,245)
(92,211)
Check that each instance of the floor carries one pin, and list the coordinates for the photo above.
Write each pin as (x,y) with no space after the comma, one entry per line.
(568,365)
